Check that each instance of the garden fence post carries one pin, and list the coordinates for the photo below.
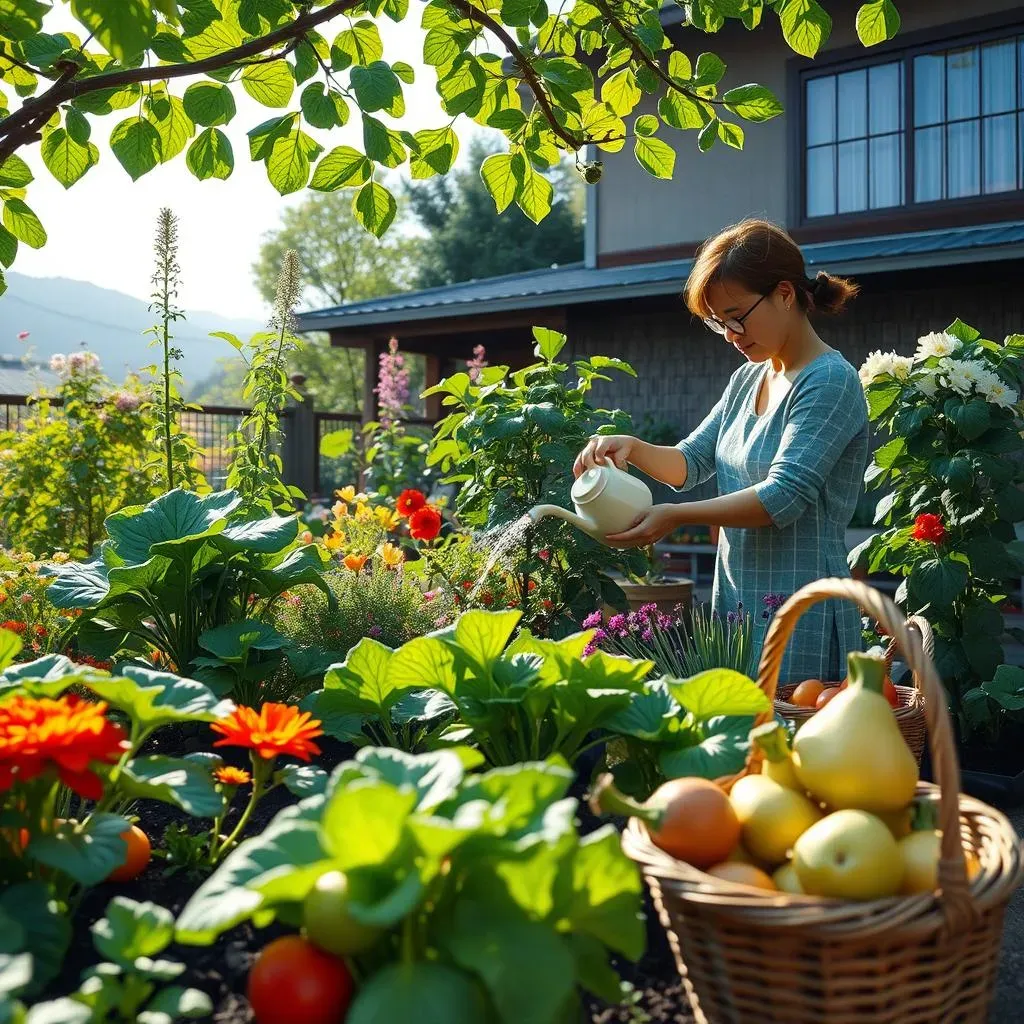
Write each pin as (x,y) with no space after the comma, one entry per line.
(301,449)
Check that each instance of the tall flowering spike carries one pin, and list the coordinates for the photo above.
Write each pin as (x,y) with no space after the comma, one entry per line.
(275,729)
(289,288)
(392,384)
(165,248)
(477,363)
(67,736)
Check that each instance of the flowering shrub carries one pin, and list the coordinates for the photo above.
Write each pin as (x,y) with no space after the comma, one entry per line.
(24,607)
(952,418)
(79,455)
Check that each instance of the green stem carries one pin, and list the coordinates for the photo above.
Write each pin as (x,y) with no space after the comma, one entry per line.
(409,940)
(606,799)
(261,771)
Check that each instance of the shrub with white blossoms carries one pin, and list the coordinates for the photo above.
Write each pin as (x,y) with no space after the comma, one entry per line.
(950,471)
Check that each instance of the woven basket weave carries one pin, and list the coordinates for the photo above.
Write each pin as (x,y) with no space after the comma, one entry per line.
(909,715)
(748,956)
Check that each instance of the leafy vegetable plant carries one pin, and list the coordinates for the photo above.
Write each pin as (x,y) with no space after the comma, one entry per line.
(471,898)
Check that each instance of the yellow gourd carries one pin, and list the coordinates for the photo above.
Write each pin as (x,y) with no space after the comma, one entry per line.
(771,817)
(921,851)
(851,753)
(786,880)
(771,740)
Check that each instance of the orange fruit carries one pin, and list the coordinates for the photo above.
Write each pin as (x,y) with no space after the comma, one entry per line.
(826,695)
(807,693)
(698,825)
(137,856)
(743,874)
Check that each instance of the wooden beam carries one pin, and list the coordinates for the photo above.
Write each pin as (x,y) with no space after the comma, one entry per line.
(372,352)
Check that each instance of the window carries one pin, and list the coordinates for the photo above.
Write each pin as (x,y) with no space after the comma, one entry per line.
(929,125)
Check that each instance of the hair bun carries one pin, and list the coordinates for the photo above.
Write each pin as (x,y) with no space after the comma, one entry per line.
(822,284)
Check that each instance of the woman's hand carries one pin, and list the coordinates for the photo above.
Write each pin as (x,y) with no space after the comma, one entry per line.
(614,448)
(657,522)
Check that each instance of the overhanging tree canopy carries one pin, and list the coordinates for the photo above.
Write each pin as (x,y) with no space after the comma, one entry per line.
(133,55)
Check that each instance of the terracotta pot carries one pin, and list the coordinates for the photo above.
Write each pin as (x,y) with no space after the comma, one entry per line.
(665,595)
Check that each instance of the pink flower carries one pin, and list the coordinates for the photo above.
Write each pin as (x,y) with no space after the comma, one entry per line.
(595,642)
(392,388)
(22,335)
(593,620)
(477,363)
(126,401)
(58,363)
(617,623)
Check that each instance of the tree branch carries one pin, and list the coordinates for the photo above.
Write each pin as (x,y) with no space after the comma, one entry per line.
(640,54)
(14,129)
(530,76)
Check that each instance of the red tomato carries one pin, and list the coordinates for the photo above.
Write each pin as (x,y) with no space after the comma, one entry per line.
(294,981)
(890,693)
(826,695)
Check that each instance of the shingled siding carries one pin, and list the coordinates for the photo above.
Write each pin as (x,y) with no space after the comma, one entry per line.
(682,367)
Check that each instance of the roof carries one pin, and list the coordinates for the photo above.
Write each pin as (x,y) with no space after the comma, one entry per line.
(20,378)
(575,284)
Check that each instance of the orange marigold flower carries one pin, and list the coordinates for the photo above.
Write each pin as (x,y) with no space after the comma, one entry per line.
(14,626)
(425,523)
(275,729)
(68,735)
(409,501)
(355,562)
(229,776)
(391,555)
(40,630)
(334,542)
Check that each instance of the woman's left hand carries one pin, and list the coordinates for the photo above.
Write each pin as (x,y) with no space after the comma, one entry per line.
(657,522)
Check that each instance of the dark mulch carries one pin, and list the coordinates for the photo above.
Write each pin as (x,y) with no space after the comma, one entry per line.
(221,969)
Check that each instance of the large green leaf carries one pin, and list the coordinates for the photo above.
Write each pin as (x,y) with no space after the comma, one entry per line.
(936,582)
(535,193)
(361,44)
(266,536)
(171,780)
(364,823)
(483,635)
(21,19)
(228,896)
(377,87)
(323,108)
(10,645)
(137,146)
(375,208)
(66,159)
(719,691)
(271,84)
(173,125)
(989,558)
(131,929)
(382,144)
(342,167)
(439,148)
(46,925)
(428,993)
(655,156)
(88,855)
(122,27)
(434,777)
(364,678)
(753,103)
(175,522)
(209,103)
(425,661)
(971,419)
(877,21)
(232,641)
(805,24)
(289,161)
(21,221)
(302,565)
(723,752)
(497,174)
(211,155)
(648,714)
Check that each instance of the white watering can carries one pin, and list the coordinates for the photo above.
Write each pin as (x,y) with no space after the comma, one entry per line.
(607,500)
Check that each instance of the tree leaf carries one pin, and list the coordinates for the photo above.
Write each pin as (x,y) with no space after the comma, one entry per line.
(173,125)
(66,159)
(174,781)
(377,88)
(730,134)
(263,136)
(710,69)
(439,148)
(136,144)
(620,92)
(319,108)
(20,19)
(210,155)
(718,692)
(937,582)
(360,45)
(381,143)
(375,208)
(656,156)
(88,856)
(271,84)
(23,223)
(682,112)
(971,418)
(753,103)
(122,27)
(806,25)
(209,103)
(14,172)
(534,194)
(131,929)
(342,167)
(646,125)
(877,21)
(497,174)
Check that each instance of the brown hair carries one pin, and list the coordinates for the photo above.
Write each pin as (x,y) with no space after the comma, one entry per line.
(759,255)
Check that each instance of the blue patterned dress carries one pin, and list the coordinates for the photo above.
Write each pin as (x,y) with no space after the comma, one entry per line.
(805,459)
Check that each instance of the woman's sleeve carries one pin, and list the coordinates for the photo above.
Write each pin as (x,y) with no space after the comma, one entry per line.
(699,448)
(827,412)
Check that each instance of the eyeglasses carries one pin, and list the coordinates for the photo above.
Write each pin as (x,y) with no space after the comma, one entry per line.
(734,324)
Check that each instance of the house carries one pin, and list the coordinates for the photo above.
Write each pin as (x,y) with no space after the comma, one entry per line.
(902,166)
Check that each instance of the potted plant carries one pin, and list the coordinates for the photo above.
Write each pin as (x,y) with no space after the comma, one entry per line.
(657,586)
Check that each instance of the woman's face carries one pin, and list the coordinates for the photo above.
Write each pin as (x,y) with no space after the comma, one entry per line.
(768,321)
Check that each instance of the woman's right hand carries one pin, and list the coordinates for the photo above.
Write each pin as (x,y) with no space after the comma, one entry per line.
(615,448)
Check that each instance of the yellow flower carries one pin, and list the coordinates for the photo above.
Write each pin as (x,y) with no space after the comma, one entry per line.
(339,510)
(363,514)
(346,494)
(335,541)
(387,517)
(361,498)
(391,555)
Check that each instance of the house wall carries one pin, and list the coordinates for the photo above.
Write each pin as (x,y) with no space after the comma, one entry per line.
(682,368)
(635,211)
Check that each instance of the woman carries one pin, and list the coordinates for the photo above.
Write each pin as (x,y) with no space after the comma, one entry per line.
(788,441)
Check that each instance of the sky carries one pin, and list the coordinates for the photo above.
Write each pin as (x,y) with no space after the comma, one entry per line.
(101,229)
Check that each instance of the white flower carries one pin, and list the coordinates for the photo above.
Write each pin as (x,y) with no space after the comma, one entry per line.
(998,393)
(58,363)
(935,344)
(901,367)
(76,361)
(927,384)
(92,361)
(954,376)
(985,380)
(876,365)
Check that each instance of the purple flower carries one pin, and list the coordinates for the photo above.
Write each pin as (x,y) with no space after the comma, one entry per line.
(392,388)
(666,621)
(125,401)
(477,363)
(732,618)
(598,638)
(593,620)
(617,623)
(648,610)
(648,634)
(375,631)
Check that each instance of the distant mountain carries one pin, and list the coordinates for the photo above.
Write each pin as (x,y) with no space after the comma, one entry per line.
(62,315)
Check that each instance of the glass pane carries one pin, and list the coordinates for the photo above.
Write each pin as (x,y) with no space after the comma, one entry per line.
(999,139)
(885,98)
(821,110)
(928,164)
(962,158)
(853,176)
(853,105)
(999,77)
(962,83)
(821,181)
(930,89)
(886,171)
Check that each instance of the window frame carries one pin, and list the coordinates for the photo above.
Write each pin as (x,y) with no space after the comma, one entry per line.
(986,207)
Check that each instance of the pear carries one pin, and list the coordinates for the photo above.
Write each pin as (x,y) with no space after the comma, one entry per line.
(771,817)
(851,754)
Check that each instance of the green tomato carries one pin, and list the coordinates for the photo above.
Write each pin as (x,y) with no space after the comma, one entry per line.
(328,920)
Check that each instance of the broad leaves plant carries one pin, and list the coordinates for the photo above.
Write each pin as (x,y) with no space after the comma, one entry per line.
(482,891)
(952,422)
(166,72)
(510,441)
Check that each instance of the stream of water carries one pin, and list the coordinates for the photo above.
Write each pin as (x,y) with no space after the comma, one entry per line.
(502,541)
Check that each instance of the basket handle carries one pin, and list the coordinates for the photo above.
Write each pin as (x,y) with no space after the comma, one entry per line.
(955,896)
(923,627)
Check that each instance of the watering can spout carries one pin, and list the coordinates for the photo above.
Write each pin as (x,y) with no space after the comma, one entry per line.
(539,512)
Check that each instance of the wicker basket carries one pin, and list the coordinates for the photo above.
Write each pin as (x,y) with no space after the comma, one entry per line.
(753,957)
(910,713)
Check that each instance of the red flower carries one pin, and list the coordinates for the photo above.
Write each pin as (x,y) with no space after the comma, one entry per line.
(487,597)
(544,554)
(548,604)
(68,734)
(425,523)
(40,631)
(531,585)
(410,501)
(13,626)
(276,729)
(928,527)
